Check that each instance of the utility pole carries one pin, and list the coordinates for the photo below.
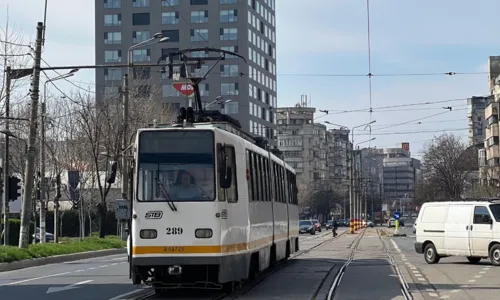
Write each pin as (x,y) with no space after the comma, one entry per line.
(351,189)
(30,158)
(124,186)
(43,195)
(5,202)
(56,208)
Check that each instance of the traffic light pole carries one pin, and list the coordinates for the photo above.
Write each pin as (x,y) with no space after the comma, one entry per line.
(43,194)
(5,202)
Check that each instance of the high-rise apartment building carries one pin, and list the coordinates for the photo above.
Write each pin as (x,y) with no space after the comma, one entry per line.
(246,27)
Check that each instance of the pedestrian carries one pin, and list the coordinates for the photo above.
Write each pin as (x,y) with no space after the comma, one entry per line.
(334,228)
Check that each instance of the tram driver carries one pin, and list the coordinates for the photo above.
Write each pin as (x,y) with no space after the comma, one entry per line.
(185,187)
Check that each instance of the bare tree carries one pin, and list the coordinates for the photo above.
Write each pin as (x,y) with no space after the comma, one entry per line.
(447,164)
(15,54)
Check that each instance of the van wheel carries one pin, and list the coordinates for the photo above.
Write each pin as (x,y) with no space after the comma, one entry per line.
(473,260)
(430,254)
(495,255)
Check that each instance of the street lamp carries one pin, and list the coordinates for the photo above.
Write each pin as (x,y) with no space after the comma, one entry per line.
(219,101)
(130,62)
(357,145)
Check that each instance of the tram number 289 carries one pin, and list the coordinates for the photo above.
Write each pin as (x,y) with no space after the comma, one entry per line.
(174,230)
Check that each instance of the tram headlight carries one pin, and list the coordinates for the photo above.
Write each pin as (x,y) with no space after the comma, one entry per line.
(203,233)
(148,234)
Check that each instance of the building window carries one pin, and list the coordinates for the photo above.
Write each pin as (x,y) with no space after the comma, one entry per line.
(142,73)
(173,35)
(170,17)
(110,91)
(199,54)
(112,74)
(228,16)
(140,36)
(232,49)
(112,56)
(199,16)
(142,91)
(139,19)
(112,38)
(228,34)
(169,2)
(140,3)
(112,3)
(141,55)
(229,89)
(231,108)
(113,20)
(228,1)
(169,91)
(199,2)
(228,70)
(204,89)
(199,35)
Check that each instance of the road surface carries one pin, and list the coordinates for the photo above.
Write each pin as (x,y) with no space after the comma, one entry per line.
(93,279)
(452,278)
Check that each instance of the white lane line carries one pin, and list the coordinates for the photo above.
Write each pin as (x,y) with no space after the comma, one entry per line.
(444,297)
(433,295)
(127,295)
(91,268)
(395,246)
(103,266)
(82,282)
(455,291)
(81,270)
(35,278)
(482,272)
(421,278)
(477,276)
(472,280)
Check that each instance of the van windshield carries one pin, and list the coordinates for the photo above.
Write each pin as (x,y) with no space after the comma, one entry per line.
(495,209)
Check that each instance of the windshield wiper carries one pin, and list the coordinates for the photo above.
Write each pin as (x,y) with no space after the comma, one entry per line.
(165,195)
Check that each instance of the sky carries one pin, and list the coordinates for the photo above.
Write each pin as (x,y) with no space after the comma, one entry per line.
(319,42)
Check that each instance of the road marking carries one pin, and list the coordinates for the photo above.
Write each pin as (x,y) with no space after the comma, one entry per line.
(455,291)
(35,278)
(131,293)
(482,272)
(103,266)
(433,295)
(477,276)
(395,246)
(65,288)
(81,270)
(472,280)
(421,279)
(444,297)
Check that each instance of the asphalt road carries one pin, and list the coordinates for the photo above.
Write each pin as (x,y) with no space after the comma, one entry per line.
(93,279)
(452,278)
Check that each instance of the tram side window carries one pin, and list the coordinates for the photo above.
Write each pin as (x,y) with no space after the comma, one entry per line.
(275,182)
(257,176)
(294,190)
(251,182)
(265,173)
(232,192)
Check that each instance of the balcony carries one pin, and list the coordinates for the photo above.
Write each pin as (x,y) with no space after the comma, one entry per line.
(493,152)
(490,110)
(491,131)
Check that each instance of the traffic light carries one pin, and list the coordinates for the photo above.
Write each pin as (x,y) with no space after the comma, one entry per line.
(14,187)
(76,205)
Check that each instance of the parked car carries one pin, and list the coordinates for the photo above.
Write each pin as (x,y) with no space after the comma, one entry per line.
(329,225)
(49,237)
(307,226)
(317,225)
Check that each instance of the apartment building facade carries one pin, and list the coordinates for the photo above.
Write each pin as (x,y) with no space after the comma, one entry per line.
(245,27)
(476,122)
(400,174)
(318,155)
(489,157)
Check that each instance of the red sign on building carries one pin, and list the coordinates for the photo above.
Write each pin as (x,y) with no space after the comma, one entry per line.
(184,88)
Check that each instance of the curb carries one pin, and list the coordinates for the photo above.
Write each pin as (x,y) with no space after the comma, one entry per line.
(28,263)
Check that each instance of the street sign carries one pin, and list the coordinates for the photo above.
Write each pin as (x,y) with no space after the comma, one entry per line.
(396,215)
(122,209)
(184,88)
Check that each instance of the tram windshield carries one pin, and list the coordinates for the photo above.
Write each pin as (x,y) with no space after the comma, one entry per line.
(176,165)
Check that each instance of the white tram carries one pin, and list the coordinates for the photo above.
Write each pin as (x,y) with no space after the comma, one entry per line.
(211,207)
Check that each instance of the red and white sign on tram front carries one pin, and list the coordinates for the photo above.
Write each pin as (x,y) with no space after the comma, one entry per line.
(184,88)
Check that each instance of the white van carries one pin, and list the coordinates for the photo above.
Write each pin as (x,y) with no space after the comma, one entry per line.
(459,228)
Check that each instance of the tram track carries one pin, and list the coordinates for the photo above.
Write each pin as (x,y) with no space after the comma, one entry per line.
(266,274)
(249,285)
